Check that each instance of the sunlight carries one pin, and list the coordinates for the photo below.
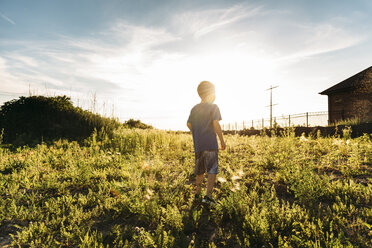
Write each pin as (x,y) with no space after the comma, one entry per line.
(240,76)
(240,79)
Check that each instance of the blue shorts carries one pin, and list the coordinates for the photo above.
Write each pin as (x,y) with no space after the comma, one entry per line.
(206,161)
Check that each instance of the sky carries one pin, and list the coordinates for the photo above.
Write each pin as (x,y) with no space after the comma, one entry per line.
(144,59)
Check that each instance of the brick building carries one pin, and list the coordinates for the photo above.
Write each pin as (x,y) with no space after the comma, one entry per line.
(351,98)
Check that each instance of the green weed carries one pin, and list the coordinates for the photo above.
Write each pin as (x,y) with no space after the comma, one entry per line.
(134,188)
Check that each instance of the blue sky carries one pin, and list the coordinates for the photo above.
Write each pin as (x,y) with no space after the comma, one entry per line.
(144,59)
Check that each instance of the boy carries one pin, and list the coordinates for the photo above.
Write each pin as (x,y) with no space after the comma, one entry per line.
(204,124)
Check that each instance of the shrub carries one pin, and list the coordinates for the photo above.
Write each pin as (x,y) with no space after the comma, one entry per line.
(30,120)
(131,123)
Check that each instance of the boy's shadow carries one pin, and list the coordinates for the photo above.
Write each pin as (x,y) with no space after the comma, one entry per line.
(205,226)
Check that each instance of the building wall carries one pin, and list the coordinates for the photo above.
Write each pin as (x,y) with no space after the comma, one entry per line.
(348,105)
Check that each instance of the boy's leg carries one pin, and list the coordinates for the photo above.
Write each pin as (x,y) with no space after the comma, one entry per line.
(210,185)
(199,171)
(212,168)
(199,180)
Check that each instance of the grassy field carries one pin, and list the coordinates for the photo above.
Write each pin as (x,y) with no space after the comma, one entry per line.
(136,190)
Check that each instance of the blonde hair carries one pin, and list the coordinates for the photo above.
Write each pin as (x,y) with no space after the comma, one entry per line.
(205,88)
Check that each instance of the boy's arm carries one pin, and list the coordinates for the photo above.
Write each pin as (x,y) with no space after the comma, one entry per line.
(189,125)
(217,129)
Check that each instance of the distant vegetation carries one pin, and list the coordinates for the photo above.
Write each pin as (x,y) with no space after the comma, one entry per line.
(131,123)
(31,120)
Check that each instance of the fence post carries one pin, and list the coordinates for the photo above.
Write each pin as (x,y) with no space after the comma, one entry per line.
(289,120)
(307,119)
(263,123)
(236,126)
(243,125)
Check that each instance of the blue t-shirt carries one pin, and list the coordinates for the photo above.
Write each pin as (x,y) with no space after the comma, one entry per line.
(201,118)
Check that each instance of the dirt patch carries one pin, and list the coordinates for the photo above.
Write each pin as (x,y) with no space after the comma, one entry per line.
(7,228)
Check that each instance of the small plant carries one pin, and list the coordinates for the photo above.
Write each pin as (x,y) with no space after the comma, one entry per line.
(348,122)
(1,136)
(346,132)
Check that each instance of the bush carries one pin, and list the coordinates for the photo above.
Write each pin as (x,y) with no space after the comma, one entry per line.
(31,120)
(131,123)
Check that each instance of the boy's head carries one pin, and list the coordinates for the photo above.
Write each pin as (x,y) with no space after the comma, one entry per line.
(206,91)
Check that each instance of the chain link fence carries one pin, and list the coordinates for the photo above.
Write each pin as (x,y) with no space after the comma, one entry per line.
(308,119)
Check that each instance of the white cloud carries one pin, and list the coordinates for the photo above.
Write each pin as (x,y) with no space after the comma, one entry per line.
(200,23)
(93,58)
(318,39)
(9,82)
(7,18)
(22,61)
(78,66)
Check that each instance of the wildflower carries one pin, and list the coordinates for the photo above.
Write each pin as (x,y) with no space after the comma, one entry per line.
(115,193)
(240,173)
(237,187)
(347,142)
(303,139)
(337,142)
(221,180)
(137,228)
(145,165)
(118,153)
(149,192)
(109,153)
(235,177)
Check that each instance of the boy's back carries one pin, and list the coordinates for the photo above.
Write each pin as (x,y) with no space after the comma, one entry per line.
(201,118)
(203,123)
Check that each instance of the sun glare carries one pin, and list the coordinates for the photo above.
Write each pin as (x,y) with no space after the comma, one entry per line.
(240,76)
(240,79)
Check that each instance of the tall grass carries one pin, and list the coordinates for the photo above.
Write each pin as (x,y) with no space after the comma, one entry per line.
(348,122)
(135,189)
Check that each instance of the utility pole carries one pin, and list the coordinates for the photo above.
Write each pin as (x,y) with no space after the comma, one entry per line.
(271,104)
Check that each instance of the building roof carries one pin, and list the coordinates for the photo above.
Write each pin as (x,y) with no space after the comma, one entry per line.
(350,83)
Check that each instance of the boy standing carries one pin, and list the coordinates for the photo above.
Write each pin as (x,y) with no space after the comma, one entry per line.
(204,124)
